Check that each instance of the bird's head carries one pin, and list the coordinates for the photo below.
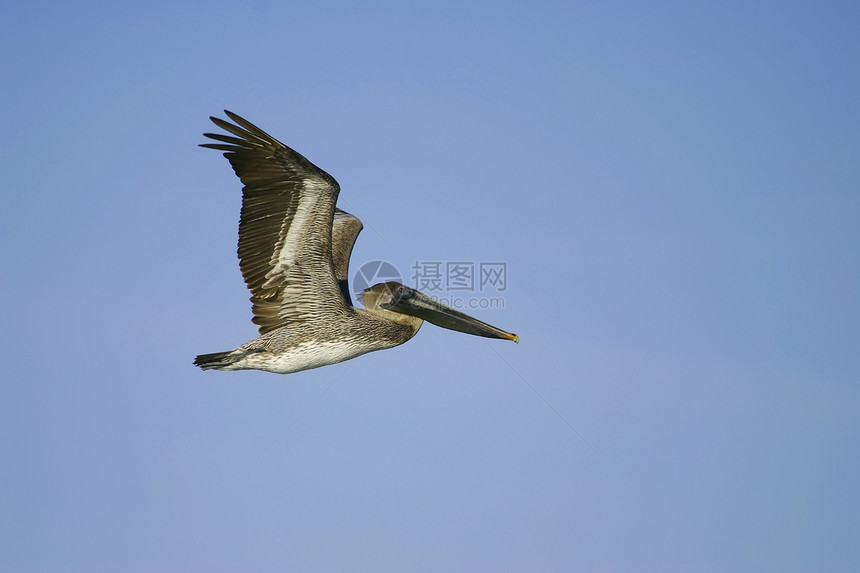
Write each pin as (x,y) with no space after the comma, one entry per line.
(403,304)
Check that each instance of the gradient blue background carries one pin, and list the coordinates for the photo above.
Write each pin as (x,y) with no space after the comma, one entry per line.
(674,189)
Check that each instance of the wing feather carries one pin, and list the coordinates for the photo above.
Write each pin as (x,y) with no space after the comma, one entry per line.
(285,227)
(345,230)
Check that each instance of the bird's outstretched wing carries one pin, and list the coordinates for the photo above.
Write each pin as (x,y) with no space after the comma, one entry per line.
(344,231)
(285,228)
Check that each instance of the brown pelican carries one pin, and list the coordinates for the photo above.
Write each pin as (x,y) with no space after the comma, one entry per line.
(294,250)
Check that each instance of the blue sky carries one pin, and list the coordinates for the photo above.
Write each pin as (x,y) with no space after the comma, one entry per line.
(673,188)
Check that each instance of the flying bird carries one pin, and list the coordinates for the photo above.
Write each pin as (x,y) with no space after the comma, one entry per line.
(294,250)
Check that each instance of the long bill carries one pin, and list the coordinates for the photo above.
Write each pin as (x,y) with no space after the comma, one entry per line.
(415,303)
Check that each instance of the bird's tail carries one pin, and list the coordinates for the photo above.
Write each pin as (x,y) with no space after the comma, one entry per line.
(216,360)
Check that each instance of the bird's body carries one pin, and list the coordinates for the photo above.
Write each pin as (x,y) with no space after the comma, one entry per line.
(294,250)
(310,345)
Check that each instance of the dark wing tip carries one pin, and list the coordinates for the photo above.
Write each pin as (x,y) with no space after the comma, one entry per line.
(218,146)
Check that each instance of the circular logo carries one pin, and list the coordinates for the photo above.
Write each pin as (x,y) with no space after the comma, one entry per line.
(373,273)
